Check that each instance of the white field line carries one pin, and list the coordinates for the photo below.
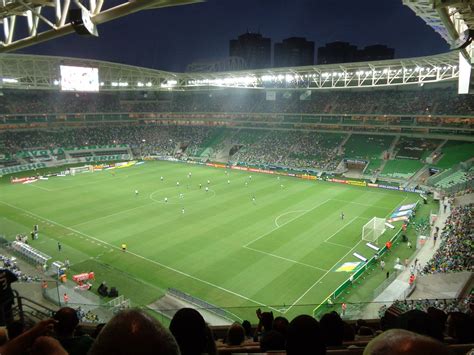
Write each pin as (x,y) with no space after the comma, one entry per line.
(284,214)
(322,277)
(318,280)
(40,187)
(340,229)
(337,244)
(291,220)
(283,258)
(361,204)
(110,215)
(146,259)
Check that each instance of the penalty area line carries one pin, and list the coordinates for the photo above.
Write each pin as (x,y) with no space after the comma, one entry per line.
(286,259)
(291,220)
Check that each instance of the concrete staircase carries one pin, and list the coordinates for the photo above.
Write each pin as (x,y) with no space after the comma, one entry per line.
(340,149)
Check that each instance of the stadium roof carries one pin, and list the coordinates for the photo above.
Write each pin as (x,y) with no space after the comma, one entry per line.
(28,22)
(450,18)
(43,72)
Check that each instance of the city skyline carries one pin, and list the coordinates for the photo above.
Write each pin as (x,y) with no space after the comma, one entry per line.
(171,38)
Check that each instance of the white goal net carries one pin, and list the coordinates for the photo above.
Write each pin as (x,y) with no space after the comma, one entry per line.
(373,229)
(81,169)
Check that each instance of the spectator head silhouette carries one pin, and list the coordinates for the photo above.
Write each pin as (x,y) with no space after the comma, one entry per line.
(417,321)
(304,336)
(247,327)
(272,340)
(280,324)
(400,341)
(189,329)
(134,332)
(333,329)
(67,321)
(235,334)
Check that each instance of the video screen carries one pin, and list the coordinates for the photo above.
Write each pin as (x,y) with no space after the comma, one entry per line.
(79,78)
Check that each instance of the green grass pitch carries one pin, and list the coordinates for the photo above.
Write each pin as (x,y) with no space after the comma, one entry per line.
(278,252)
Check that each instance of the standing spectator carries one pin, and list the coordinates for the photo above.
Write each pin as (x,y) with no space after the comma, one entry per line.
(6,295)
(66,298)
(343,308)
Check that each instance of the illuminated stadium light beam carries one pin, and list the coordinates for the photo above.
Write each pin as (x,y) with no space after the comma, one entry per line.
(22,19)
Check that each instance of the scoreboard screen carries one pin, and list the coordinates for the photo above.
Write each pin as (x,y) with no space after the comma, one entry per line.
(79,78)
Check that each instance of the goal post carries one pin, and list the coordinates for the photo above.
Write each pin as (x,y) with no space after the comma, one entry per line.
(81,169)
(373,229)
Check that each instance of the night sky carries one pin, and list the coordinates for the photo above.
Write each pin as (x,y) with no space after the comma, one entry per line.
(171,38)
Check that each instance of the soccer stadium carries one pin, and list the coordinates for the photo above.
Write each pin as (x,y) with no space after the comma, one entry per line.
(301,210)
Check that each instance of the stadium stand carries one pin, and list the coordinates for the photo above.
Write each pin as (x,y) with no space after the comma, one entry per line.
(362,146)
(455,252)
(454,152)
(434,101)
(401,168)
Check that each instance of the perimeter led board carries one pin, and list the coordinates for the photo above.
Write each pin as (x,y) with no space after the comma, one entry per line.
(79,78)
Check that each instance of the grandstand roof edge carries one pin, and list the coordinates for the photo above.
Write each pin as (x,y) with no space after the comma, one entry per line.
(448,56)
(84,60)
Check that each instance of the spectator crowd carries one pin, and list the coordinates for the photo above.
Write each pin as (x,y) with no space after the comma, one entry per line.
(412,331)
(456,252)
(426,101)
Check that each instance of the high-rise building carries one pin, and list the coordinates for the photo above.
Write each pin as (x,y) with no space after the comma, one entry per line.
(344,52)
(293,52)
(253,48)
(376,52)
(337,52)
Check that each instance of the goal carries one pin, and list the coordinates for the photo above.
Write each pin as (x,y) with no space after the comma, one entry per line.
(81,169)
(373,229)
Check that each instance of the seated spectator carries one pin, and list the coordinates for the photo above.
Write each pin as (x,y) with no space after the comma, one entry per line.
(399,341)
(304,336)
(418,322)
(349,332)
(211,347)
(460,327)
(248,330)
(280,324)
(65,327)
(235,334)
(134,332)
(103,289)
(271,341)
(365,331)
(189,329)
(333,329)
(438,319)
